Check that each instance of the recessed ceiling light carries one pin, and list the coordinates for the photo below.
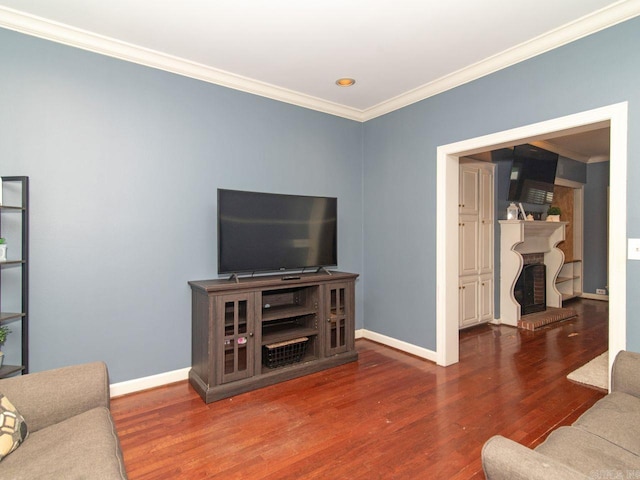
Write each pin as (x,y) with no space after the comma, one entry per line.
(345,82)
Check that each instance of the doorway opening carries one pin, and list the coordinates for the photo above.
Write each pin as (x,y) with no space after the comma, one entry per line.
(614,117)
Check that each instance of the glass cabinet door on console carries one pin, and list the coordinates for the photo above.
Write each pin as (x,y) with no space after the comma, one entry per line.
(236,354)
(338,308)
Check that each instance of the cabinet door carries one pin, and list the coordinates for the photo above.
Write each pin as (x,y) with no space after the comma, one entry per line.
(485,225)
(468,289)
(486,195)
(469,181)
(339,316)
(469,245)
(486,299)
(485,246)
(235,316)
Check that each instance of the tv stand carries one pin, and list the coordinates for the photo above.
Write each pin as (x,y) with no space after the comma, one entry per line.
(323,269)
(259,331)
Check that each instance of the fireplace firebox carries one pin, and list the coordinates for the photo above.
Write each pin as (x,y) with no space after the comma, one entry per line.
(531,290)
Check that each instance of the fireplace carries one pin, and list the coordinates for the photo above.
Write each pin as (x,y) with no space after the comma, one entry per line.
(531,287)
(526,243)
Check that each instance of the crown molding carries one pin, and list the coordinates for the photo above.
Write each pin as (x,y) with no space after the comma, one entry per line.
(57,32)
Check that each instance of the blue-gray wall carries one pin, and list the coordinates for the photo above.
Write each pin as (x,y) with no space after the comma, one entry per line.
(400,167)
(595,229)
(124,162)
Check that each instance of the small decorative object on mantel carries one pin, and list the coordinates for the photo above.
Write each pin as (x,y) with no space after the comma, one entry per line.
(530,218)
(4,331)
(522,212)
(3,250)
(553,214)
(512,212)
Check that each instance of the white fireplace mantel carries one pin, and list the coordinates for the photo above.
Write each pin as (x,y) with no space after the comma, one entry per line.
(517,238)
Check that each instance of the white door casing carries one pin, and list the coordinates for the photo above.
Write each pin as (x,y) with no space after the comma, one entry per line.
(447,181)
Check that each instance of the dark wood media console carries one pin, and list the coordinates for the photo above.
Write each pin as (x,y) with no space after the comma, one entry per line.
(264,330)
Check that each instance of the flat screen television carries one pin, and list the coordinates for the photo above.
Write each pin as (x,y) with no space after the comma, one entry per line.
(259,232)
(533,174)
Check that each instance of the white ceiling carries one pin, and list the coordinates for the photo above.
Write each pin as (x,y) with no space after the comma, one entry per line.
(588,147)
(399,51)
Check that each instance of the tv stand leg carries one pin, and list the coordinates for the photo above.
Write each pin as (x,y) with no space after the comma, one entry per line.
(322,269)
(234,276)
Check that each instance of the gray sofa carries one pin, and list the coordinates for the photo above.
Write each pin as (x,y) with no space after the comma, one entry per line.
(71,431)
(603,443)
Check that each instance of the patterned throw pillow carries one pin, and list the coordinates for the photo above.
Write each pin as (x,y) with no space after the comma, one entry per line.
(13,429)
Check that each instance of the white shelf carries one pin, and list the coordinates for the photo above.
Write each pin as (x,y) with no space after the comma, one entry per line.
(569,280)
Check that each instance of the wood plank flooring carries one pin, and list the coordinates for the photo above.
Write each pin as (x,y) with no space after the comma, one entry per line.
(388,416)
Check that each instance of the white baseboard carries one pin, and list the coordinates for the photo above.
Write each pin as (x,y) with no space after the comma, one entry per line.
(397,344)
(595,296)
(144,383)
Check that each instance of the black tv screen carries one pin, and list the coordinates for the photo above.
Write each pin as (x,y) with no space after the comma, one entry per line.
(533,174)
(270,232)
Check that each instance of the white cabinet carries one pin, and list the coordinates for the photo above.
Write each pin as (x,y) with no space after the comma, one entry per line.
(469,189)
(485,221)
(486,193)
(476,300)
(469,301)
(485,246)
(486,298)
(469,241)
(476,227)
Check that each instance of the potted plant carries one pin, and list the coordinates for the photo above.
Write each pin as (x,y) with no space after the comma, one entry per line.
(553,214)
(4,331)
(3,250)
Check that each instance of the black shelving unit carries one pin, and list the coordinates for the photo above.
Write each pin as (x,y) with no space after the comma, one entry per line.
(17,261)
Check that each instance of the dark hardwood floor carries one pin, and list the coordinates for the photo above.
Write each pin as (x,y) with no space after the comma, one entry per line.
(388,416)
